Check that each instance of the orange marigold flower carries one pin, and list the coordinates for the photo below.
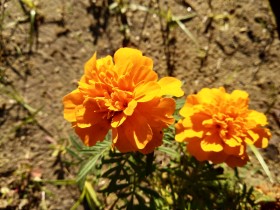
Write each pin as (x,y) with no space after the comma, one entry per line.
(218,125)
(123,94)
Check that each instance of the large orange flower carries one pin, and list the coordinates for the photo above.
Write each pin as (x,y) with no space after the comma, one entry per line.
(123,95)
(218,125)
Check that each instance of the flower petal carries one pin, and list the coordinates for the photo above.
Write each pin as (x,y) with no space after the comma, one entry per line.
(144,73)
(180,132)
(90,65)
(70,101)
(94,133)
(264,135)
(121,141)
(211,143)
(125,55)
(239,98)
(118,120)
(197,121)
(138,130)
(146,91)
(142,66)
(211,96)
(158,111)
(236,150)
(194,149)
(130,107)
(191,133)
(233,141)
(156,141)
(236,161)
(170,86)
(256,117)
(217,157)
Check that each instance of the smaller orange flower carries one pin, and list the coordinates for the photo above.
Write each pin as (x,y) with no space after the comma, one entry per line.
(218,125)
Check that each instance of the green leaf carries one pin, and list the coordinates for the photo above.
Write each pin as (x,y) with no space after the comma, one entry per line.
(73,153)
(169,151)
(180,103)
(87,167)
(98,152)
(76,143)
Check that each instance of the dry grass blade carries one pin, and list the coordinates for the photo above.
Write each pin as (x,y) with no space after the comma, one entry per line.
(262,162)
(187,31)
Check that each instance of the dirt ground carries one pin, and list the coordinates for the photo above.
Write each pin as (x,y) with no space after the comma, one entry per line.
(234,44)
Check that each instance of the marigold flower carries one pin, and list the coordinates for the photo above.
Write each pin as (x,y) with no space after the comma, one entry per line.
(218,125)
(123,94)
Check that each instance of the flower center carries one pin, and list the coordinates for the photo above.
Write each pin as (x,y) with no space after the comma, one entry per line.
(227,126)
(118,100)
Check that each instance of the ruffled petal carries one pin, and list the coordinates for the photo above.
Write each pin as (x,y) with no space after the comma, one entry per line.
(240,98)
(158,111)
(237,150)
(138,131)
(186,110)
(70,102)
(171,86)
(94,133)
(211,96)
(254,136)
(121,141)
(89,114)
(144,73)
(118,120)
(194,149)
(264,135)
(233,141)
(146,91)
(130,107)
(211,143)
(180,129)
(123,56)
(90,65)
(123,94)
(256,118)
(197,121)
(156,141)
(217,157)
(141,66)
(191,134)
(187,123)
